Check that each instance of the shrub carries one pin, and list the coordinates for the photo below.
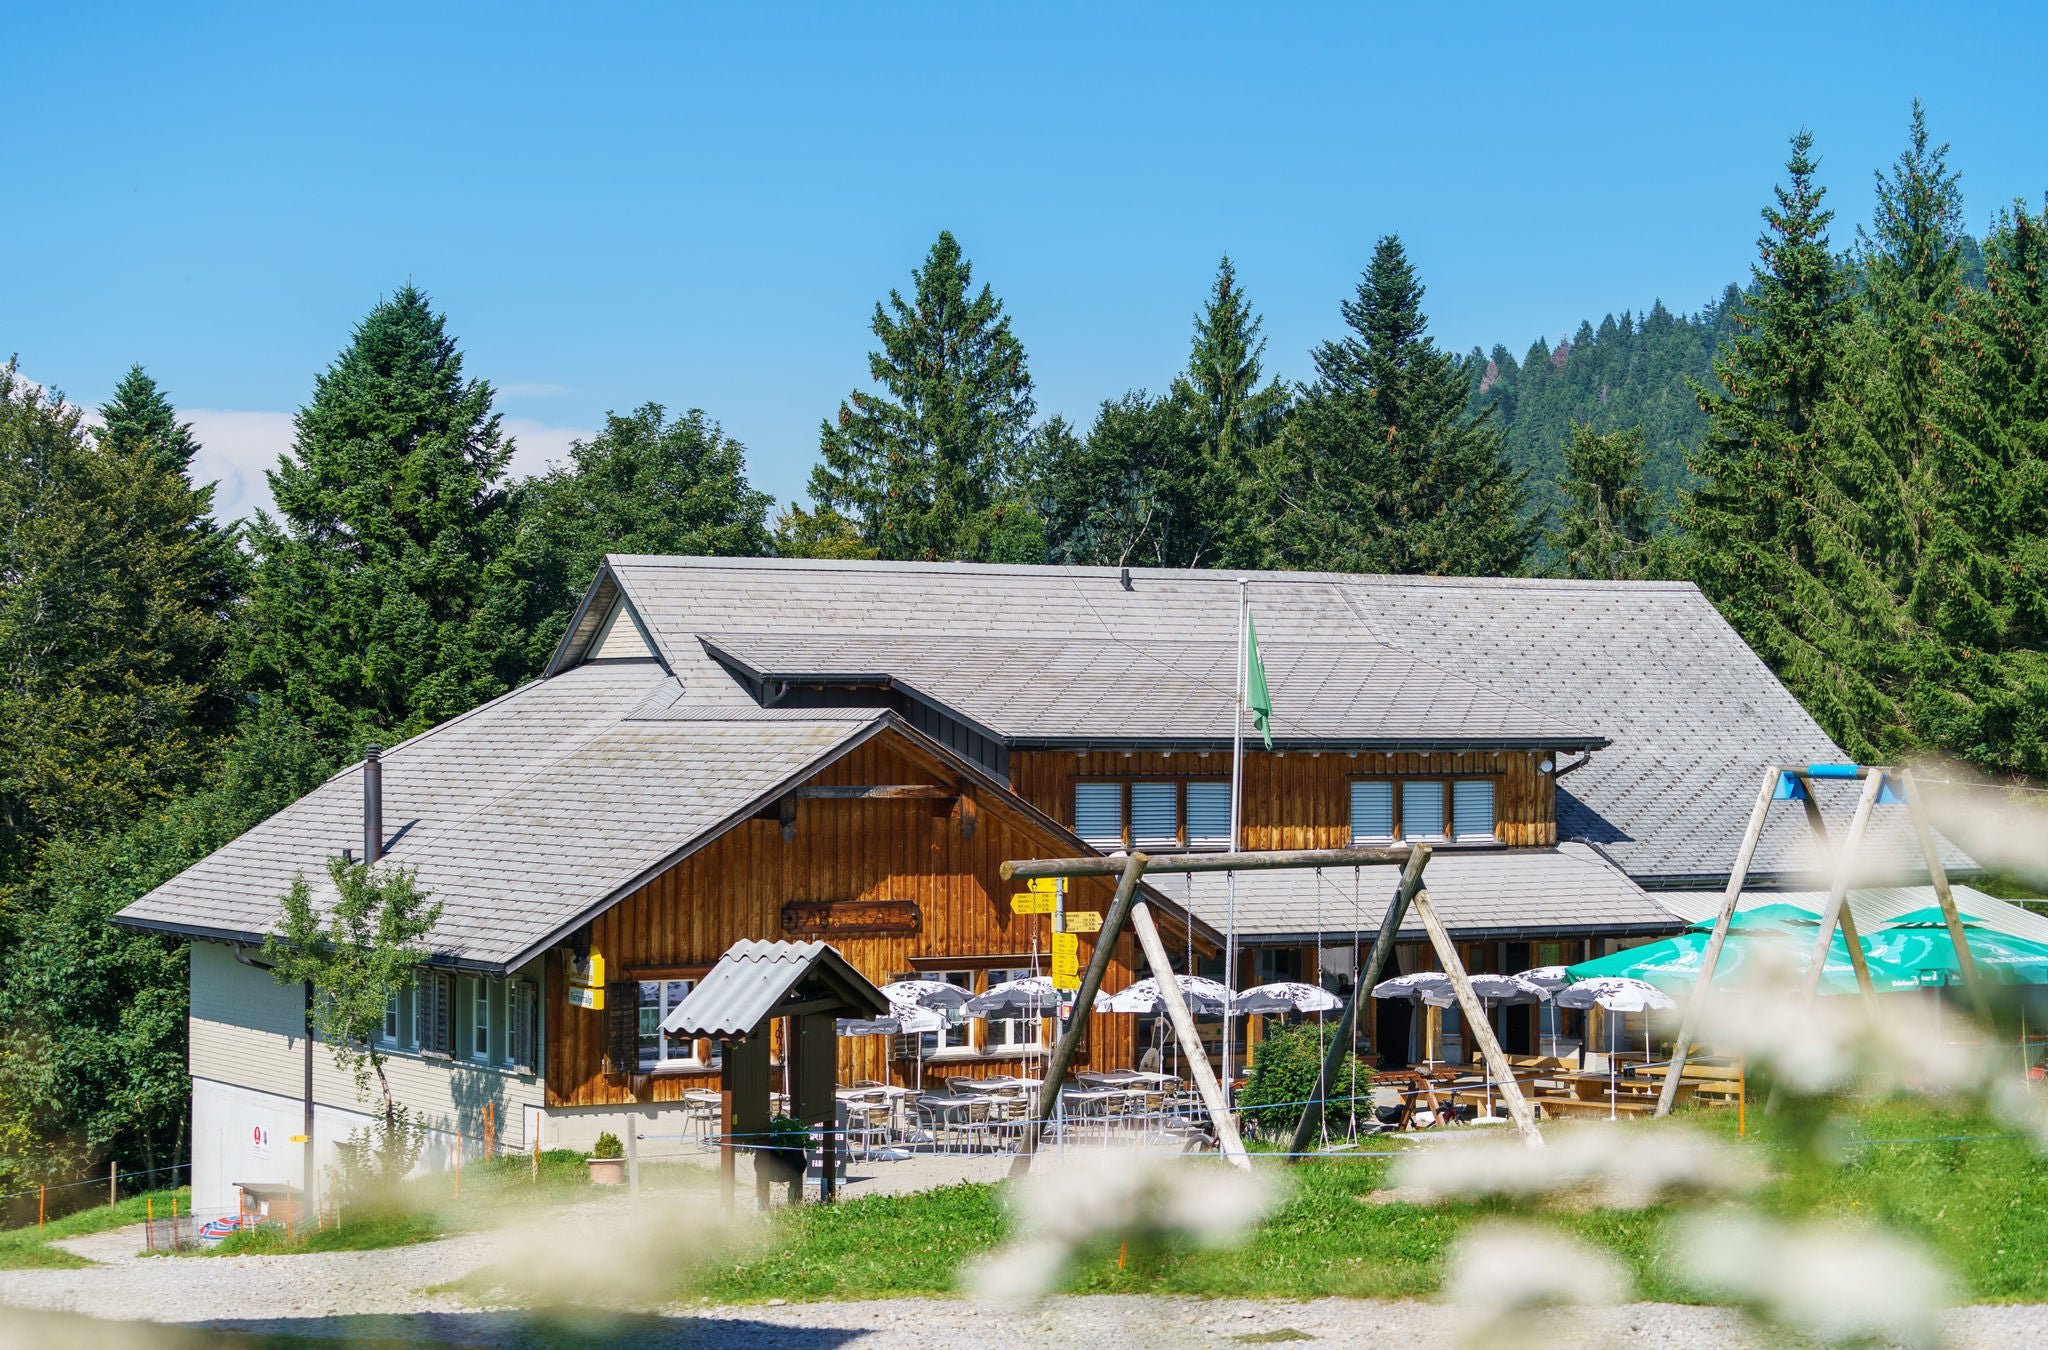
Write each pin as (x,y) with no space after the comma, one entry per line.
(1283,1078)
(374,1158)
(608,1146)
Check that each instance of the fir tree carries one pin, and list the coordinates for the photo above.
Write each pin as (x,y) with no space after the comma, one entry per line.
(371,608)
(1385,469)
(645,483)
(1608,527)
(139,420)
(929,466)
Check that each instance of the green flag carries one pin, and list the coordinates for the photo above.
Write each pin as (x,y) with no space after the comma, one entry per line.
(1256,696)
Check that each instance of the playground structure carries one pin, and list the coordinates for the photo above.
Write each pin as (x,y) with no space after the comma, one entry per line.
(1794,782)
(1126,908)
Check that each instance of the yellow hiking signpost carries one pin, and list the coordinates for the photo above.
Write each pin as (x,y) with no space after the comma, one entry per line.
(1066,961)
(1027,903)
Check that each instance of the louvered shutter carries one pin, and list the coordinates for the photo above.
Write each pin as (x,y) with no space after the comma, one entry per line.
(444,1012)
(1208,815)
(1372,811)
(1099,814)
(1422,808)
(1155,815)
(1472,809)
(621,1026)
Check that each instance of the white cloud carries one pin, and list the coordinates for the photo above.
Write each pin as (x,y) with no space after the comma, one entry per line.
(236,448)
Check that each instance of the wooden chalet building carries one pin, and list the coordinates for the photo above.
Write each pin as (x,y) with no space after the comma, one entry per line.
(725,749)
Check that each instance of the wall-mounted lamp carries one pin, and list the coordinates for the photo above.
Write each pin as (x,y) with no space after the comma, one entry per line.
(1547,765)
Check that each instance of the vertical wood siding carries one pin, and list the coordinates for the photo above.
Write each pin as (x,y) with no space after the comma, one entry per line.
(1298,799)
(736,887)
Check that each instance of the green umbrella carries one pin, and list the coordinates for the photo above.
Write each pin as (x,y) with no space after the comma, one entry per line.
(1768,936)
(1919,941)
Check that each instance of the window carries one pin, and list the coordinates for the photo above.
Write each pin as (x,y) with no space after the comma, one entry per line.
(1208,815)
(390,1033)
(1422,809)
(1472,808)
(1022,1033)
(1155,814)
(1099,814)
(480,1019)
(1459,810)
(958,1033)
(1372,811)
(659,998)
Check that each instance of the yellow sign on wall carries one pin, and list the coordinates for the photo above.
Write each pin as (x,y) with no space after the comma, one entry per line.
(1025,903)
(584,996)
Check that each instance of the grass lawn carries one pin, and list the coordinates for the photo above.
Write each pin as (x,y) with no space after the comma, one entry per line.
(28,1249)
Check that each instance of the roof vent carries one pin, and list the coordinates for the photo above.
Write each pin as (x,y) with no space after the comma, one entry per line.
(373,803)
(1126,578)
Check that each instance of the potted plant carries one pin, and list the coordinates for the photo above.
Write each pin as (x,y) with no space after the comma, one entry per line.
(788,1151)
(608,1161)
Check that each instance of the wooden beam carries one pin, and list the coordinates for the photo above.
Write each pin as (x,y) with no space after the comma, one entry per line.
(1838,897)
(1966,961)
(1190,1039)
(1477,1025)
(879,792)
(1015,869)
(968,812)
(1818,823)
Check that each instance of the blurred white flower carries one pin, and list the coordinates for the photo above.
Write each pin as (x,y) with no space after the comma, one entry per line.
(633,1259)
(1838,1284)
(1058,1208)
(1625,1166)
(1500,1273)
(1838,1042)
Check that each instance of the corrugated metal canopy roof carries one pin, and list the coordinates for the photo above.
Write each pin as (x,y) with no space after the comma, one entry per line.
(753,977)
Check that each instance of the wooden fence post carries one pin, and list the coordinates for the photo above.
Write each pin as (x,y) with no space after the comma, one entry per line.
(113,1172)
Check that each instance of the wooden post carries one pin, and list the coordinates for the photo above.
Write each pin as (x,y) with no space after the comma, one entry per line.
(174,1223)
(1084,1005)
(1838,897)
(42,1197)
(1966,960)
(1476,1022)
(458,1164)
(1816,822)
(1361,990)
(536,1155)
(113,1172)
(632,1159)
(728,1164)
(1190,1040)
(149,1224)
(1689,1025)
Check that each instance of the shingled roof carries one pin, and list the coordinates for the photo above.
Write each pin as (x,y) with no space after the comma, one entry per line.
(1691,714)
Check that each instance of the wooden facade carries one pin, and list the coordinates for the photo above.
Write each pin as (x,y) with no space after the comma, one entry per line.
(1302,799)
(855,860)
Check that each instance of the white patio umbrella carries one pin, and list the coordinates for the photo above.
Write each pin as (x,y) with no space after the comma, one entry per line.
(1613,993)
(1285,996)
(1028,997)
(1424,986)
(1205,997)
(1495,991)
(1550,979)
(917,1000)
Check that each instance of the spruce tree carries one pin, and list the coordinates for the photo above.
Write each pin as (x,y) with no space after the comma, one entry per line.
(1208,496)
(113,611)
(1773,528)
(645,483)
(139,419)
(1608,526)
(372,609)
(1384,468)
(928,467)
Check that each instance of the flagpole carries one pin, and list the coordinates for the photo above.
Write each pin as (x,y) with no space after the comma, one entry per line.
(1236,844)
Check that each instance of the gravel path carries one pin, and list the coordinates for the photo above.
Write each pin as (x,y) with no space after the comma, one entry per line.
(344,1295)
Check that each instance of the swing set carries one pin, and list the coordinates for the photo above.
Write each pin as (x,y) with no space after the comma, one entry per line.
(1882,786)
(1127,909)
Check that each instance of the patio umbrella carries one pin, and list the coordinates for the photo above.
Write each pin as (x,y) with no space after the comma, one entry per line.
(1424,986)
(1493,991)
(926,994)
(1919,942)
(1284,997)
(1204,997)
(1615,994)
(1028,997)
(1550,979)
(1762,942)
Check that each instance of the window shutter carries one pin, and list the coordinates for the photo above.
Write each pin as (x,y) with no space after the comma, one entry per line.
(1422,808)
(621,1026)
(1155,815)
(1099,814)
(1372,811)
(444,1011)
(1208,815)
(523,1003)
(1472,809)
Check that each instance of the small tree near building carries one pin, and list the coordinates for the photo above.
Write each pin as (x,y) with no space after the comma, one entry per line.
(357,956)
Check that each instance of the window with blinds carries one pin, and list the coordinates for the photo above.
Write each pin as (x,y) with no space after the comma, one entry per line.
(1372,812)
(1155,815)
(1472,808)
(1422,808)
(1208,815)
(1099,814)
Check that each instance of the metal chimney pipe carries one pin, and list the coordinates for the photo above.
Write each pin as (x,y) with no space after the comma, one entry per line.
(373,803)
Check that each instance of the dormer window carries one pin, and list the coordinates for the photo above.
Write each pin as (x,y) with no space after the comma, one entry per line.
(1426,810)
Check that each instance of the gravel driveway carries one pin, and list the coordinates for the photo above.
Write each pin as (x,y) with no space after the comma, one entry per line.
(343,1295)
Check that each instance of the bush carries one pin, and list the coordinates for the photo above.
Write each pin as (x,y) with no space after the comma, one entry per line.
(608,1146)
(376,1157)
(1283,1078)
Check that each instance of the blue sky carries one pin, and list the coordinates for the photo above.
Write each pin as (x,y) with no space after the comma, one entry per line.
(700,205)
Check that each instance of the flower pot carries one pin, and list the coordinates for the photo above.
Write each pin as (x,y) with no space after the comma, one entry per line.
(607,1171)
